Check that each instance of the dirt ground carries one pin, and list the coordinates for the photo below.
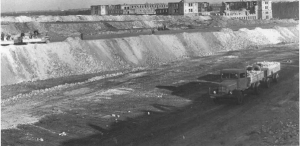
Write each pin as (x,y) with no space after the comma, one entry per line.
(167,105)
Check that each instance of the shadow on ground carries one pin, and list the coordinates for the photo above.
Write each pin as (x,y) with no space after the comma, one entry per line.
(162,126)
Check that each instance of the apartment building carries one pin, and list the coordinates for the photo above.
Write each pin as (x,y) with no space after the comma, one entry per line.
(265,9)
(174,8)
(261,9)
(240,10)
(128,9)
(147,9)
(99,10)
(215,9)
(188,7)
(162,11)
(115,10)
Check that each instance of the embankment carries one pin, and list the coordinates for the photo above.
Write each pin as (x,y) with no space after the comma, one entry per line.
(65,26)
(73,57)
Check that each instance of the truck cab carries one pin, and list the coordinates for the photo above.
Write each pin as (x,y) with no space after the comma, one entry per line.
(233,81)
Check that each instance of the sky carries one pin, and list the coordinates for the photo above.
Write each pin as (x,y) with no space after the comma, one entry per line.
(32,5)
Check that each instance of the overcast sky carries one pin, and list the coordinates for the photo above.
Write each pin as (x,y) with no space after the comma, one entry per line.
(31,5)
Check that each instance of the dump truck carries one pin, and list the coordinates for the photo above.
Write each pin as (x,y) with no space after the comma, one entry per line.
(35,38)
(234,82)
(6,40)
(24,38)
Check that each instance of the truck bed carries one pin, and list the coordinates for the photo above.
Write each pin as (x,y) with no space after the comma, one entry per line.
(255,76)
(34,40)
(270,67)
(7,42)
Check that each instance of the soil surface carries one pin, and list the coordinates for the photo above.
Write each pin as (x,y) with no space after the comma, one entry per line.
(167,105)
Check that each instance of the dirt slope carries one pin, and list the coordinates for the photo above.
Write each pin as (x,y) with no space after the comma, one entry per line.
(74,56)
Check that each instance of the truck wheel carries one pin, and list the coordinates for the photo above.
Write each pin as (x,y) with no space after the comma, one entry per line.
(240,97)
(276,77)
(216,101)
(267,82)
(257,89)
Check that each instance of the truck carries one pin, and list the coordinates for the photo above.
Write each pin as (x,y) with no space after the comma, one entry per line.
(235,82)
(24,38)
(6,40)
(36,37)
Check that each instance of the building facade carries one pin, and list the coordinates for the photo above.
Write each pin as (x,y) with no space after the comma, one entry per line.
(261,9)
(173,8)
(203,7)
(99,10)
(240,10)
(188,7)
(115,10)
(265,9)
(162,11)
(148,8)
(128,9)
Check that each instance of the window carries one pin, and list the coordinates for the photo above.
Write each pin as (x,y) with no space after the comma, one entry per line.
(267,12)
(266,2)
(229,76)
(190,4)
(267,17)
(242,75)
(266,7)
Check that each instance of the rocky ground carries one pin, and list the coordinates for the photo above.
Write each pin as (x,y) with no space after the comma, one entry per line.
(165,105)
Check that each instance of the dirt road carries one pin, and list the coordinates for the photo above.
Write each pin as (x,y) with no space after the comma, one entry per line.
(167,105)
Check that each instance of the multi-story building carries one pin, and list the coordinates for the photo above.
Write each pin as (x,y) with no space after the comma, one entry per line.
(203,7)
(215,9)
(99,10)
(240,10)
(115,10)
(261,9)
(187,7)
(162,11)
(174,7)
(148,8)
(265,9)
(128,9)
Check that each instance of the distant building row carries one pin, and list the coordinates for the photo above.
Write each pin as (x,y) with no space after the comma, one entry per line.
(261,9)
